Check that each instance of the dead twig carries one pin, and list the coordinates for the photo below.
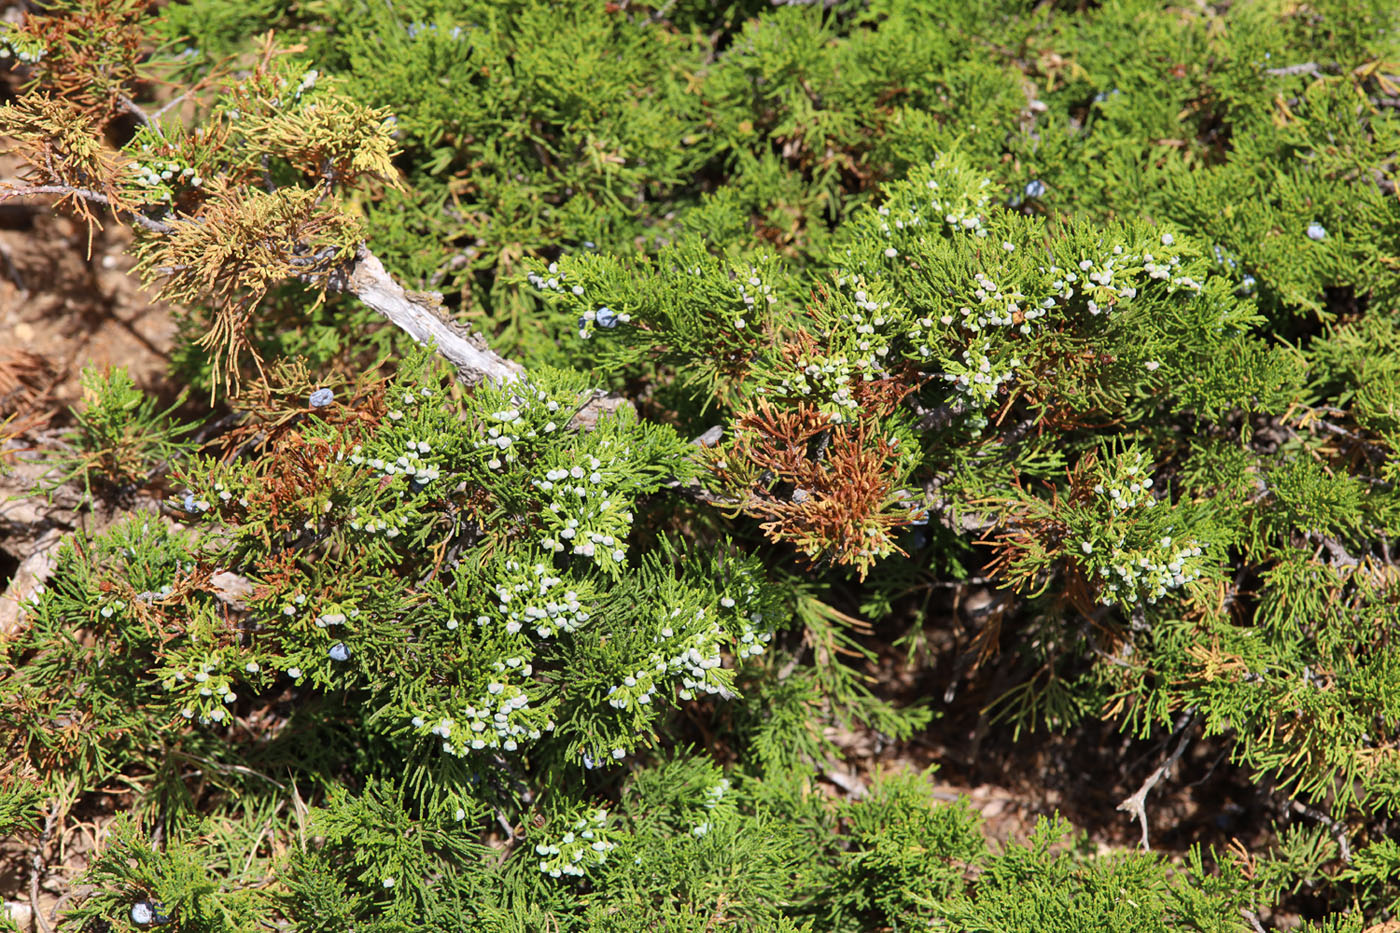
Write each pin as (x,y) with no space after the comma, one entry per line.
(1289,71)
(1338,831)
(1136,805)
(94,197)
(36,869)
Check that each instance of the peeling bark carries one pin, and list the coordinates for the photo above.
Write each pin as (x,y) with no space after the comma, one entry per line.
(419,315)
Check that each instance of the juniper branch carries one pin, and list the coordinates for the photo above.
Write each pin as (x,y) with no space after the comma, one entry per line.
(1338,831)
(416,314)
(94,197)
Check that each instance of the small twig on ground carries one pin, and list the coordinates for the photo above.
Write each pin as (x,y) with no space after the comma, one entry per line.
(1303,68)
(36,870)
(1136,805)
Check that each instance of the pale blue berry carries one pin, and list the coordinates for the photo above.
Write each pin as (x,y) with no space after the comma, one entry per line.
(1316,231)
(148,913)
(321,398)
(1035,188)
(338,652)
(605,318)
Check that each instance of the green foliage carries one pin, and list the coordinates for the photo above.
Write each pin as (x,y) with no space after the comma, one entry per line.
(906,853)
(119,440)
(179,882)
(20,802)
(1039,886)
(1091,307)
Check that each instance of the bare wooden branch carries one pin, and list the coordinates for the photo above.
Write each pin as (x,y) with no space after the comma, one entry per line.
(419,315)
(137,111)
(94,197)
(1288,71)
(1136,805)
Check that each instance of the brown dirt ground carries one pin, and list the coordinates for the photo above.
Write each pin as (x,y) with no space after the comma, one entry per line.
(73,311)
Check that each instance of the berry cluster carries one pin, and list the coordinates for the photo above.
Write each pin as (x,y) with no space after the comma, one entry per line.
(583,846)
(1130,554)
(586,511)
(529,597)
(499,719)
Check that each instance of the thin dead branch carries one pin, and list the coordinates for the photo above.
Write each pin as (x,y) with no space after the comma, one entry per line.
(1136,805)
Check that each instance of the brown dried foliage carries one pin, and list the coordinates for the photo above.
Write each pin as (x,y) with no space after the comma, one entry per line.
(303,478)
(162,619)
(244,242)
(63,156)
(273,404)
(828,489)
(92,53)
(26,381)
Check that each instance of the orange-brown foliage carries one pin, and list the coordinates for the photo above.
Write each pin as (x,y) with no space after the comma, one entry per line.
(826,488)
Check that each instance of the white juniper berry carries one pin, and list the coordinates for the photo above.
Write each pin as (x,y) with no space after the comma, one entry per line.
(1131,554)
(583,845)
